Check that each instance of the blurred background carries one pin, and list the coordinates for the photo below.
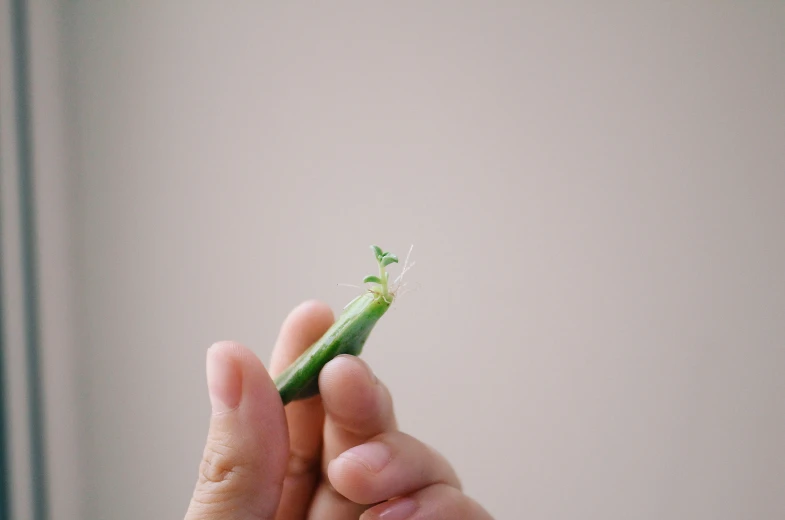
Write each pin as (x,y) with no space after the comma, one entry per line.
(595,192)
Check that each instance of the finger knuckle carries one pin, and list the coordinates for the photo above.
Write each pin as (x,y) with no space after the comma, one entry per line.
(221,466)
(301,464)
(228,483)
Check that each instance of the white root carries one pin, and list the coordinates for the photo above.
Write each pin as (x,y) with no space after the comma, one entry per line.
(348,285)
(397,283)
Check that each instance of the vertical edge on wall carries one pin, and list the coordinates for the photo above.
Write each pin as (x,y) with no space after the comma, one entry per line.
(5,466)
(20,37)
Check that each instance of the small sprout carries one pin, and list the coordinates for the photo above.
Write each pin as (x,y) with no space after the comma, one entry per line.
(388,259)
(383,258)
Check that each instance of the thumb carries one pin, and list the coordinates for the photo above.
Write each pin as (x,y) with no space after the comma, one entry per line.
(244,462)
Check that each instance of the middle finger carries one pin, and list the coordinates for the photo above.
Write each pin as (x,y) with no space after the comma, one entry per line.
(358,407)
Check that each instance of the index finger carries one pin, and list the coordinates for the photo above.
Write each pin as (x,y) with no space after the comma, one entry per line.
(305,418)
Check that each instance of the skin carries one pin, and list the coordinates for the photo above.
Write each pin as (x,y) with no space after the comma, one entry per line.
(338,455)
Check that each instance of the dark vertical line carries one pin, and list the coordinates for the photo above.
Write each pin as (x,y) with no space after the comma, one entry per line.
(5,466)
(21,36)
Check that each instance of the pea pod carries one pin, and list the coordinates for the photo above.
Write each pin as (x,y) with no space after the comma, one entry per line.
(346,336)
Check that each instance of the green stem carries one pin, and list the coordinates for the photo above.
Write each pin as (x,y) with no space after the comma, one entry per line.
(383,276)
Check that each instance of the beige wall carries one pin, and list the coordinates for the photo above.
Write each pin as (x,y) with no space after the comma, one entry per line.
(595,195)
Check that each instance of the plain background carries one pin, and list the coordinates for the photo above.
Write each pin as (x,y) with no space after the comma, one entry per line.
(596,196)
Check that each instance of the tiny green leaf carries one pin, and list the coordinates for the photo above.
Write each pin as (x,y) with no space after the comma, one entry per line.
(377,251)
(371,278)
(389,259)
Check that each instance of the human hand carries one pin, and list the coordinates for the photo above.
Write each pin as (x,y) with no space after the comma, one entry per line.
(329,457)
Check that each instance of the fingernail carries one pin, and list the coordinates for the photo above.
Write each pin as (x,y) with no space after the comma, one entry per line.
(373,455)
(224,380)
(399,509)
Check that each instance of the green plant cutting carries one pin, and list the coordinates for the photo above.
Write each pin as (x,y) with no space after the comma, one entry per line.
(346,336)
